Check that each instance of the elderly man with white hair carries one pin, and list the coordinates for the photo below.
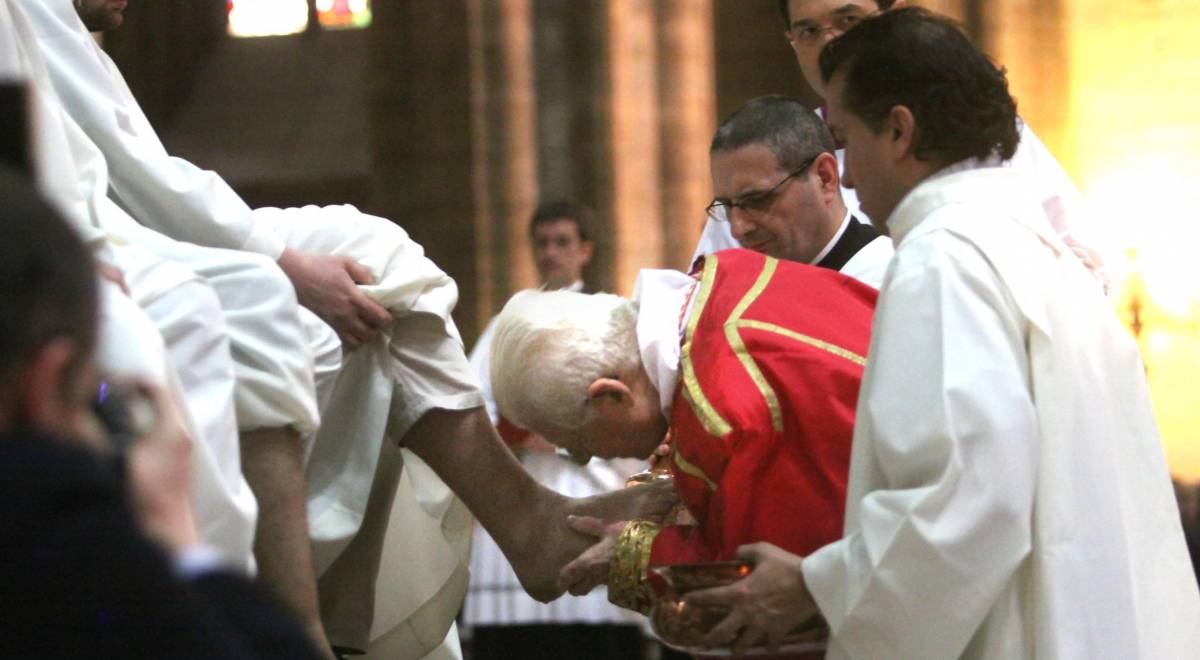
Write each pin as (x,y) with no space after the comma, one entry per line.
(754,366)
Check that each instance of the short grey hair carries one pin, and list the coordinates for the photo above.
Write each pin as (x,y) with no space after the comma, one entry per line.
(549,346)
(790,129)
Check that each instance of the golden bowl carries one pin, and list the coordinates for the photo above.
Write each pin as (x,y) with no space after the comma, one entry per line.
(683,626)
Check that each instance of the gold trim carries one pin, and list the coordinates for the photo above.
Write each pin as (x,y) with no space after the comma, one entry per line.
(709,418)
(627,585)
(693,470)
(805,339)
(732,326)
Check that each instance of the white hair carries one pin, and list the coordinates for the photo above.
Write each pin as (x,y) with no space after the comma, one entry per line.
(549,346)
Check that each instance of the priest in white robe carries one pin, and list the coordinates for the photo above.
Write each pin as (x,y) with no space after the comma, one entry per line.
(1008,494)
(165,329)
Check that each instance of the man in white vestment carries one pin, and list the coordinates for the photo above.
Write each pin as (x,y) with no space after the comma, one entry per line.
(500,618)
(810,24)
(165,328)
(779,199)
(272,400)
(1008,493)
(390,545)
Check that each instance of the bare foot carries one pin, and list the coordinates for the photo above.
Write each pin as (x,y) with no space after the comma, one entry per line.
(550,544)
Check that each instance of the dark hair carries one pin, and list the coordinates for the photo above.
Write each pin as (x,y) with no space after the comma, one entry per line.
(787,15)
(563,209)
(913,58)
(792,131)
(47,277)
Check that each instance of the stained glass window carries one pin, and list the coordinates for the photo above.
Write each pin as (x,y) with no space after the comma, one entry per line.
(260,18)
(344,13)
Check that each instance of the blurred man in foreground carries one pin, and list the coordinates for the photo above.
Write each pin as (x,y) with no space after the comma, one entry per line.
(102,557)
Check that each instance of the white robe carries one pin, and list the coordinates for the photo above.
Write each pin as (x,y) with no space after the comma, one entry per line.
(167,332)
(1008,494)
(364,546)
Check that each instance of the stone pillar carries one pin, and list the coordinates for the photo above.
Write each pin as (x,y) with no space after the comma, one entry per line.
(752,55)
(633,107)
(687,95)
(504,152)
(422,137)
(1030,39)
(956,9)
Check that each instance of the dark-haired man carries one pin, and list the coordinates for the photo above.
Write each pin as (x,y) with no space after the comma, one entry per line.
(1008,495)
(777,186)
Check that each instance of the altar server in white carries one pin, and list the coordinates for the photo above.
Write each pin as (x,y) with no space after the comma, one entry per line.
(166,328)
(1008,493)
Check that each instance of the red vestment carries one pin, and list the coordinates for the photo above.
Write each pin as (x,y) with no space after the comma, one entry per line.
(763,414)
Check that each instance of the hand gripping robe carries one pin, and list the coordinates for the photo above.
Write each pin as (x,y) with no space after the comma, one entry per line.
(763,413)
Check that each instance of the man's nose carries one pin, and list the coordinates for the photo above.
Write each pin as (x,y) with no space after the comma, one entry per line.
(741,223)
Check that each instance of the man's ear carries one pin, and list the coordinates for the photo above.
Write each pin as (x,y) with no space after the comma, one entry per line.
(826,167)
(42,388)
(898,4)
(588,249)
(608,397)
(901,128)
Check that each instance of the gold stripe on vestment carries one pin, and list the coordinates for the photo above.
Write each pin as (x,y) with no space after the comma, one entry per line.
(693,470)
(811,341)
(739,346)
(709,418)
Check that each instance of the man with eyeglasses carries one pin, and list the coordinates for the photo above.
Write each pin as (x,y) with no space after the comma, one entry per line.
(810,24)
(778,191)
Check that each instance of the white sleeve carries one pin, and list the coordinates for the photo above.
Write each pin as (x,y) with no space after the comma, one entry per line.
(168,194)
(716,236)
(481,363)
(945,459)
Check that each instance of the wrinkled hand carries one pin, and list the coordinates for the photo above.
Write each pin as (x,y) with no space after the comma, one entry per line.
(160,476)
(328,286)
(765,605)
(590,569)
(662,451)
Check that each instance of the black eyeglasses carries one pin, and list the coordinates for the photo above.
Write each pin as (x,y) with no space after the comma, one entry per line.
(754,202)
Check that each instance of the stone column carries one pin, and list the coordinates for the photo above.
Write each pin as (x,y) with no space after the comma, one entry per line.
(633,107)
(687,97)
(504,136)
(1030,39)
(422,137)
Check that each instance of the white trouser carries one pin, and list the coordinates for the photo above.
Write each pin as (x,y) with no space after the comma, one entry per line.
(169,332)
(390,540)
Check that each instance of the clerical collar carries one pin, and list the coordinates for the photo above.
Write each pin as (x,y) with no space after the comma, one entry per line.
(833,241)
(911,210)
(574,287)
(664,299)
